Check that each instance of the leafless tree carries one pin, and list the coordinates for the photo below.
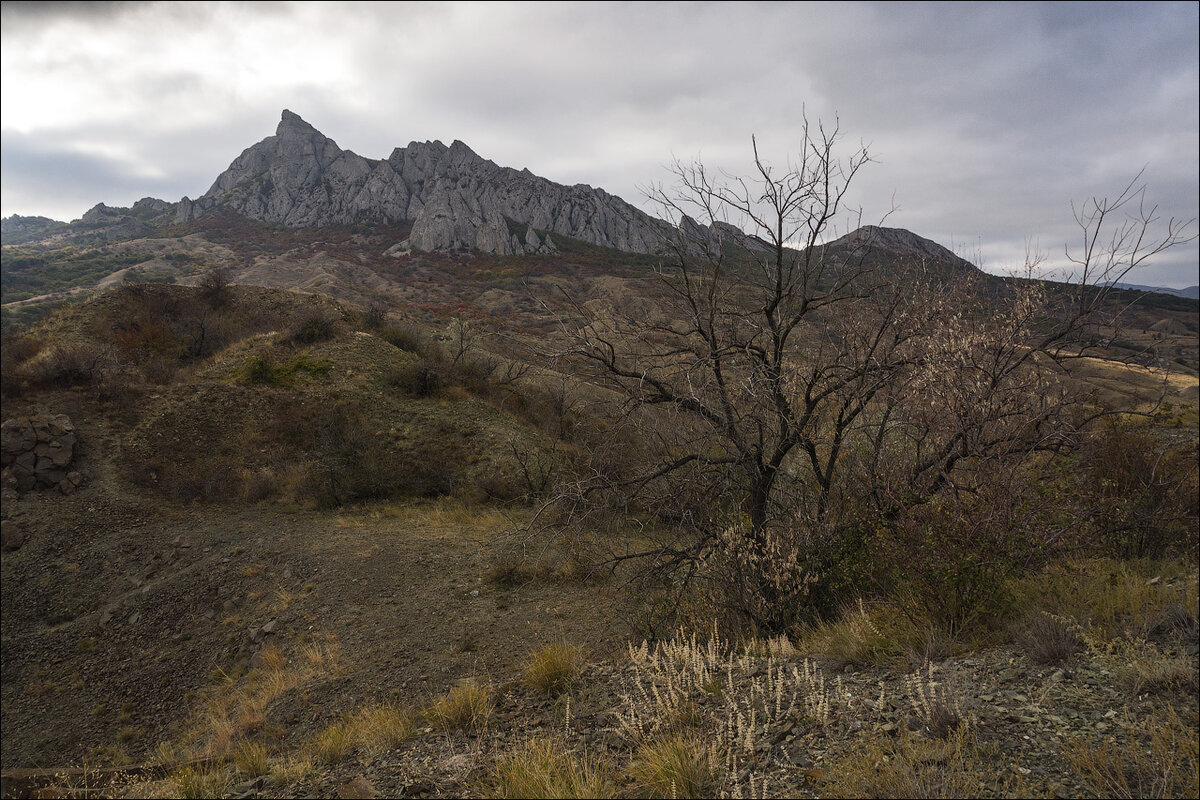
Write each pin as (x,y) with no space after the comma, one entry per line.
(780,395)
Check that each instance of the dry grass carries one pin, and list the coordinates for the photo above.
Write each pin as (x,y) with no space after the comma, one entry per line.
(554,668)
(292,771)
(1162,763)
(680,766)
(910,765)
(331,745)
(251,759)
(189,782)
(544,768)
(862,636)
(234,711)
(1112,599)
(379,728)
(1049,639)
(465,707)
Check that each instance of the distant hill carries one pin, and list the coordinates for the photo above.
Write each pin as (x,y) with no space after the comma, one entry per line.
(1191,292)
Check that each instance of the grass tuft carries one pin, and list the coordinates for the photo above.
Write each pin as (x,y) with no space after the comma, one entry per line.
(543,768)
(465,707)
(681,766)
(554,668)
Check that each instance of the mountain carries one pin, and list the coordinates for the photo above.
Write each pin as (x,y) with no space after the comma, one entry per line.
(454,198)
(874,247)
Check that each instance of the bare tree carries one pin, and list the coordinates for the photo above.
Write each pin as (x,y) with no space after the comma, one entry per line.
(780,397)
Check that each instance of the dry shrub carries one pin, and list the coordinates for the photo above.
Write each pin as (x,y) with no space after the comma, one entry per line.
(1163,762)
(313,327)
(544,768)
(1112,599)
(680,766)
(403,338)
(420,378)
(1049,639)
(465,707)
(910,765)
(1143,494)
(512,567)
(73,365)
(554,668)
(1142,667)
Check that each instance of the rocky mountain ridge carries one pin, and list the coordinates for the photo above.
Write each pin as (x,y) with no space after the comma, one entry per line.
(455,199)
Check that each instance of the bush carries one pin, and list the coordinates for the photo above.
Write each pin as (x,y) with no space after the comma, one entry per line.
(421,378)
(1049,639)
(314,327)
(214,286)
(1143,496)
(403,338)
(949,561)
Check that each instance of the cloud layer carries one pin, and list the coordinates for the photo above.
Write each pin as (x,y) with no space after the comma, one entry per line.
(986,121)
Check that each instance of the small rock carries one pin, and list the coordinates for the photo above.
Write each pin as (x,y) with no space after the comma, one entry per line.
(11,536)
(358,786)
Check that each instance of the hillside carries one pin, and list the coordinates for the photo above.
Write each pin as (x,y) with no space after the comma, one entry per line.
(428,477)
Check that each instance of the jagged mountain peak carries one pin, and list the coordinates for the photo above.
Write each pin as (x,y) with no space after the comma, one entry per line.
(454,198)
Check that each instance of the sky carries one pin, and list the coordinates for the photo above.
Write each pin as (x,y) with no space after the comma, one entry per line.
(985,122)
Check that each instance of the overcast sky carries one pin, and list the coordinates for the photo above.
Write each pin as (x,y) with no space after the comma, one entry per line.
(985,121)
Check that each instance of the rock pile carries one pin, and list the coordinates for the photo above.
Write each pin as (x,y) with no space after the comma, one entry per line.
(36,453)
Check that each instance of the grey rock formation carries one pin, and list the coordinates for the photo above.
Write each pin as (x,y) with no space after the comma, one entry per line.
(36,452)
(455,198)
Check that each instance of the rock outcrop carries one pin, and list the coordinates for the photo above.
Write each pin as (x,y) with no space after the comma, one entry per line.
(37,453)
(455,199)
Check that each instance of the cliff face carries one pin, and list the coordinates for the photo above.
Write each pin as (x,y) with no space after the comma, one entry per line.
(455,198)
